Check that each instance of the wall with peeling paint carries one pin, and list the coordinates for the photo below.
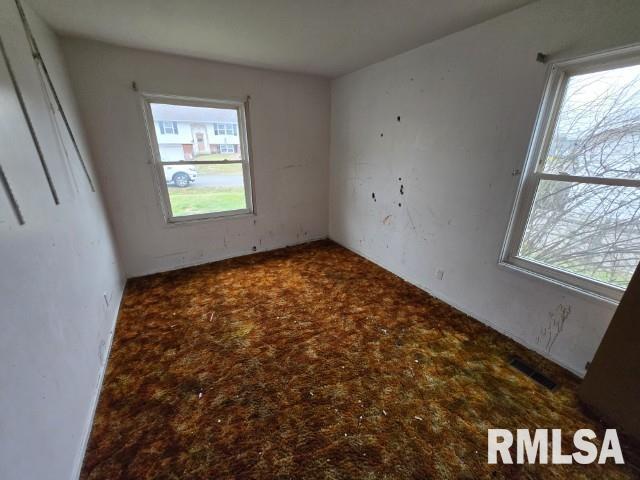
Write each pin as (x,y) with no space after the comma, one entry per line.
(424,147)
(60,285)
(290,146)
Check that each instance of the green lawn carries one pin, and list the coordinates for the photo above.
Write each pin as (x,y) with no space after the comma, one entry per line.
(217,157)
(198,200)
(219,169)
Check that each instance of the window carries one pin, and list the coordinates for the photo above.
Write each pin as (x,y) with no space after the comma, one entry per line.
(226,148)
(225,129)
(194,181)
(168,127)
(576,219)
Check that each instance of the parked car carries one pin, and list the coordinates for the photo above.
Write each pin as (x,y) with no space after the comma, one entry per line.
(180,175)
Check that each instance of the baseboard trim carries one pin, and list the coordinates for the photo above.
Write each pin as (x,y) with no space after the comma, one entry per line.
(485,321)
(204,261)
(96,397)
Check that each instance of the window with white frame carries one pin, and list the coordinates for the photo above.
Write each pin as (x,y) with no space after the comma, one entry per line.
(226,148)
(225,129)
(169,128)
(576,220)
(194,180)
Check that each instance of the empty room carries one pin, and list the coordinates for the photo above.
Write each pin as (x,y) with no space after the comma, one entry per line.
(319,239)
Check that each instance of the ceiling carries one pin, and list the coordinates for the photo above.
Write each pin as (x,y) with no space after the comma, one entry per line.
(325,37)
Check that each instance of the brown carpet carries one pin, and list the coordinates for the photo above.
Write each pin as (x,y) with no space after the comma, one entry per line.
(311,362)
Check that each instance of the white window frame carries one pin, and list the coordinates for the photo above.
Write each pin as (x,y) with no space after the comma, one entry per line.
(226,148)
(241,107)
(557,77)
(225,128)
(172,127)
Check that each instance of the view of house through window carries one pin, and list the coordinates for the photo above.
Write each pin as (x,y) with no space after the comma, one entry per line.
(203,160)
(584,217)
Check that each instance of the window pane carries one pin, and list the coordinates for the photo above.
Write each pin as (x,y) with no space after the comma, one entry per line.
(189,133)
(187,138)
(598,127)
(586,229)
(198,189)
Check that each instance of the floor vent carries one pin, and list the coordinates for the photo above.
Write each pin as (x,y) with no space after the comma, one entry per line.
(532,373)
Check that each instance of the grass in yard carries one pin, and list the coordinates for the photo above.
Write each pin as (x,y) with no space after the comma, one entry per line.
(198,200)
(217,157)
(219,169)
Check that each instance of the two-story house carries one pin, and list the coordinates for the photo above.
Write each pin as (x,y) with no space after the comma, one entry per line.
(187,132)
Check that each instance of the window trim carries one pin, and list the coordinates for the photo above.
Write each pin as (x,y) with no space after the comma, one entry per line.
(155,161)
(226,148)
(218,126)
(162,126)
(558,74)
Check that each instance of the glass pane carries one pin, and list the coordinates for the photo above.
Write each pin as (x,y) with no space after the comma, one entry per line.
(199,189)
(598,128)
(590,230)
(187,133)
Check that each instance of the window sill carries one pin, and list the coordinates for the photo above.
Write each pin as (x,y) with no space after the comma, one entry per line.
(195,220)
(505,265)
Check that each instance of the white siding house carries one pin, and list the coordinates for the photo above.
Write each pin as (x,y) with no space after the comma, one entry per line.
(187,132)
(172,139)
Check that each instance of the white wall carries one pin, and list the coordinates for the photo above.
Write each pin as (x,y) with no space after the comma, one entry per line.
(55,326)
(467,104)
(289,117)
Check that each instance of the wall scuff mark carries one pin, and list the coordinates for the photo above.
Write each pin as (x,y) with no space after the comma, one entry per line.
(413,225)
(549,334)
(27,119)
(12,199)
(37,57)
(102,351)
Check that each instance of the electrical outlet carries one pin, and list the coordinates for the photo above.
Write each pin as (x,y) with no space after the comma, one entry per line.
(439,274)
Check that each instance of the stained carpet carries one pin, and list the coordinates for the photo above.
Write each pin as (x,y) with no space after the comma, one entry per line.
(312,362)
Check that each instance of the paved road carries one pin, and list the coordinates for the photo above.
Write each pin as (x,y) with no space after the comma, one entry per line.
(218,181)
